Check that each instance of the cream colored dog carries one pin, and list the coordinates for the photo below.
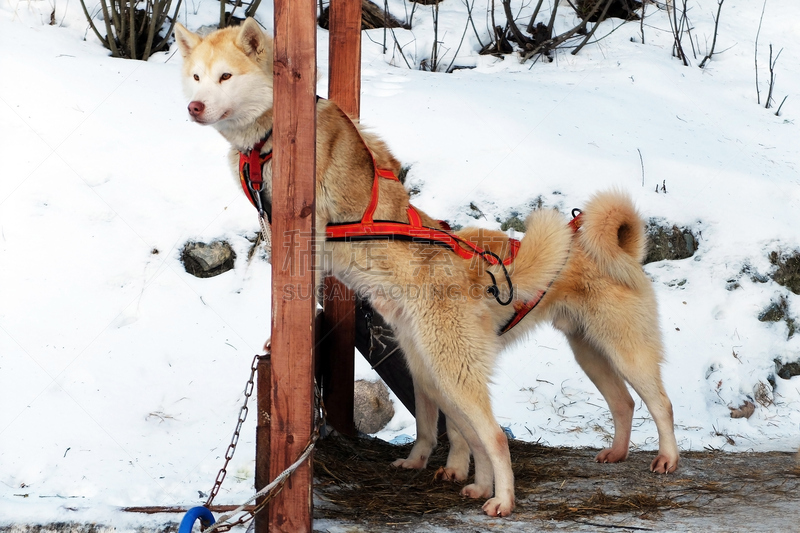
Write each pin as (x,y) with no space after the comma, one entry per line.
(437,302)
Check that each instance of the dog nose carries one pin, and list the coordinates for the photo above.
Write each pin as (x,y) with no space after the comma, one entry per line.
(196,108)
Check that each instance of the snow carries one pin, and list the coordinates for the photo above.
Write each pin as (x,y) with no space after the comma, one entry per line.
(121,376)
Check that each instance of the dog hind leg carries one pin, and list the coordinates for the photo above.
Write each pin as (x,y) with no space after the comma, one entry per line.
(614,391)
(637,359)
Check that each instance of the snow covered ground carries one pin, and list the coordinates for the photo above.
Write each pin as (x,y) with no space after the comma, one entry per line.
(121,375)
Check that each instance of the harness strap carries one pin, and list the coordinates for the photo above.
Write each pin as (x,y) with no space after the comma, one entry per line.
(251,174)
(521,309)
(360,231)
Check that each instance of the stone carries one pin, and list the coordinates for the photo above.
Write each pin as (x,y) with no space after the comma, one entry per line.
(787,370)
(206,260)
(372,407)
(787,270)
(668,242)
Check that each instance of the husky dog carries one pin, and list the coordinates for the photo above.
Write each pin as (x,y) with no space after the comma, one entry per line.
(445,305)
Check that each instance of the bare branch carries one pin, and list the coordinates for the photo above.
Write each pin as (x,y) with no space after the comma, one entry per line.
(594,28)
(778,112)
(522,39)
(771,75)
(532,22)
(760,20)
(716,28)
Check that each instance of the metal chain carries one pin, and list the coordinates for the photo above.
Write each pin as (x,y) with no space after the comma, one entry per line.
(273,489)
(266,235)
(248,391)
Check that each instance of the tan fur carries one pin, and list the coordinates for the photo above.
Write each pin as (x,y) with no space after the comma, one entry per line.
(437,302)
(616,241)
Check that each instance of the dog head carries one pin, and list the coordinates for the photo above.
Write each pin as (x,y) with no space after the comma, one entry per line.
(227,75)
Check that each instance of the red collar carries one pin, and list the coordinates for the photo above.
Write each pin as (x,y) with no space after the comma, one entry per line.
(251,170)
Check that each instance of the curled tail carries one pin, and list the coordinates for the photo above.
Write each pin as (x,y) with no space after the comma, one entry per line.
(613,235)
(543,251)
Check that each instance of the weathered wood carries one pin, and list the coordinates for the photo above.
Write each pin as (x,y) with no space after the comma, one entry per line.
(263,408)
(337,356)
(344,88)
(293,218)
(344,56)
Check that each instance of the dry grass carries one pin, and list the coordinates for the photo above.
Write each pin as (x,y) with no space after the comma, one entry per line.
(601,503)
(355,480)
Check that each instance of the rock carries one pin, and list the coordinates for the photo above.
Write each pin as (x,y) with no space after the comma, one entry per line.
(372,407)
(788,370)
(774,312)
(787,271)
(669,242)
(777,311)
(513,222)
(207,260)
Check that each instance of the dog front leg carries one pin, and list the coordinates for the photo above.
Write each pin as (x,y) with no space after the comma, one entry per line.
(427,417)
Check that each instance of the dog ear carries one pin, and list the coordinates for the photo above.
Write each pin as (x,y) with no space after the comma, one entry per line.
(254,42)
(187,41)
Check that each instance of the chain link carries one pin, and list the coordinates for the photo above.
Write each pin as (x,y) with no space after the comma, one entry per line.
(266,234)
(248,391)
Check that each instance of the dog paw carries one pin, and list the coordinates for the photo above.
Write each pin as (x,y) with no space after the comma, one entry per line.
(475,491)
(610,455)
(446,473)
(411,464)
(664,464)
(498,506)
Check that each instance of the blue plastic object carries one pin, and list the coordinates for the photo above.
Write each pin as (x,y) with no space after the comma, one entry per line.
(192,515)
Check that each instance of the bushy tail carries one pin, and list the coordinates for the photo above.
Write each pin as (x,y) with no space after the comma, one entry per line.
(613,235)
(543,252)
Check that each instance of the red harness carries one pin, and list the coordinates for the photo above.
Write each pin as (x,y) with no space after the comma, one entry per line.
(251,177)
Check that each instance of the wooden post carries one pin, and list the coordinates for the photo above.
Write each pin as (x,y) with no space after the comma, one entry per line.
(293,299)
(263,408)
(344,88)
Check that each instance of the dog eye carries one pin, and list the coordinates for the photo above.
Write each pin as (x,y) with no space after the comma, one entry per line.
(225,76)
(196,77)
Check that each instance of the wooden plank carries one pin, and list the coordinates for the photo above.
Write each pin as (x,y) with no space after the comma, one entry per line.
(263,408)
(344,56)
(337,356)
(344,88)
(293,218)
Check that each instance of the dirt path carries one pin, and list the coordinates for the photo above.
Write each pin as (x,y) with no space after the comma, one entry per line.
(560,489)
